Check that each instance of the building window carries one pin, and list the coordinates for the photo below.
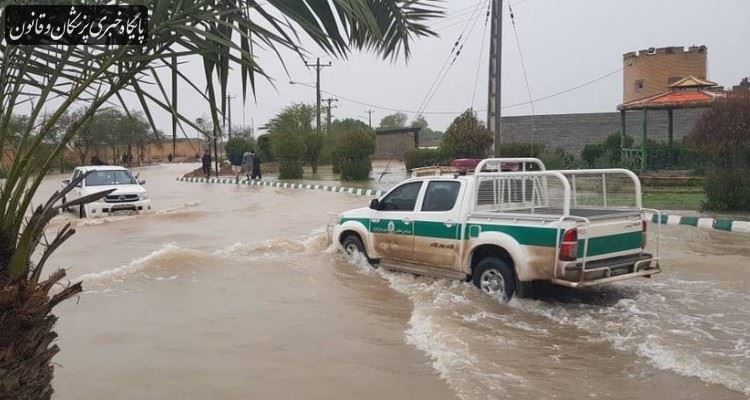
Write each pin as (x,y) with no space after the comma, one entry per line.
(639,84)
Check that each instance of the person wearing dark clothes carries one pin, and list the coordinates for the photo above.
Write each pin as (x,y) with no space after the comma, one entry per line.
(206,160)
(95,160)
(256,166)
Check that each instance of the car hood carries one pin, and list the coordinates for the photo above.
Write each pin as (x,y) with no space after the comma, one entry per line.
(363,212)
(119,189)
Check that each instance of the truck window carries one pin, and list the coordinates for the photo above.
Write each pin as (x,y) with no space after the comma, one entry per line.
(403,198)
(441,196)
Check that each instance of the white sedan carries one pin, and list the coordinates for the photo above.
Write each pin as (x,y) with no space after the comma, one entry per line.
(129,196)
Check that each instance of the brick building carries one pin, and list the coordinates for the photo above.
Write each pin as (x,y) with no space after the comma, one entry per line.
(650,72)
(394,143)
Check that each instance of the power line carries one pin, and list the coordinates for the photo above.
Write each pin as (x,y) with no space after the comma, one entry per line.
(475,18)
(523,68)
(523,103)
(481,53)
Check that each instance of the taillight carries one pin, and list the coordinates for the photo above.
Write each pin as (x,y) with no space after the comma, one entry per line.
(569,245)
(644,233)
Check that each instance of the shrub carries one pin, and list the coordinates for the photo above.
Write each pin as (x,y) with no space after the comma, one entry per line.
(265,148)
(313,145)
(236,147)
(520,149)
(466,137)
(353,151)
(605,154)
(416,158)
(558,159)
(290,150)
(728,190)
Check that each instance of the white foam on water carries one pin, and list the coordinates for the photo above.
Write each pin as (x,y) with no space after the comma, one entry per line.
(169,255)
(670,323)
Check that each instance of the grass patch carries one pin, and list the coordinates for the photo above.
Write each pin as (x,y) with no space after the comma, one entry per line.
(674,200)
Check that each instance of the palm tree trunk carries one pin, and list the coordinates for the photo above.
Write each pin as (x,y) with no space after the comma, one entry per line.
(26,348)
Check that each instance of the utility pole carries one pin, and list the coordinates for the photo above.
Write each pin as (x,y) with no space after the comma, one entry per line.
(174,107)
(328,109)
(493,92)
(369,116)
(229,111)
(318,66)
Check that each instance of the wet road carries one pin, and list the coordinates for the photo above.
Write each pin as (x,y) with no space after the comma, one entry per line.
(231,292)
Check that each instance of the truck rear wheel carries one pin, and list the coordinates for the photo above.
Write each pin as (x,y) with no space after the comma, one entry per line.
(495,277)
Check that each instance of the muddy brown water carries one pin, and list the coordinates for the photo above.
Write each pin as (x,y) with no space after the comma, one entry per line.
(230,292)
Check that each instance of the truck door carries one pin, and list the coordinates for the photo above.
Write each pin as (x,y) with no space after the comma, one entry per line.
(437,231)
(392,225)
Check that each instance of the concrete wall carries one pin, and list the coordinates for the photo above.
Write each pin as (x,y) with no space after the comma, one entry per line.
(647,73)
(573,131)
(393,145)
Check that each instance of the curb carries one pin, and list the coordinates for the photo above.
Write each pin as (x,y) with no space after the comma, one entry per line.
(719,224)
(286,185)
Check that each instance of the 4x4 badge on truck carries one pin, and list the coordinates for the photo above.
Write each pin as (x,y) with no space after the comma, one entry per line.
(391,226)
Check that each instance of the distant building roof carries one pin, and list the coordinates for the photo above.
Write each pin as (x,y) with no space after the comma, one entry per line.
(690,92)
(393,131)
(693,82)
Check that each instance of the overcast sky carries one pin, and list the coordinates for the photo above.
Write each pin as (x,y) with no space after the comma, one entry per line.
(564,44)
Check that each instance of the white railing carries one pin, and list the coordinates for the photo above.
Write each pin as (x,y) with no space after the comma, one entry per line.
(587,192)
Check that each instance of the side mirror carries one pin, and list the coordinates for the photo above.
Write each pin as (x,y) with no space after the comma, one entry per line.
(375,204)
(142,182)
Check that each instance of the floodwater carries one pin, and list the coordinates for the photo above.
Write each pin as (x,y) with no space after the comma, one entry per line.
(230,292)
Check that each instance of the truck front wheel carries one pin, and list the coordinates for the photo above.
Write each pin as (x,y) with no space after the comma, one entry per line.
(495,277)
(353,247)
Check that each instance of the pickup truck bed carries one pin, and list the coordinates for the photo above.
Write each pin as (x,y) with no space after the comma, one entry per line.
(578,212)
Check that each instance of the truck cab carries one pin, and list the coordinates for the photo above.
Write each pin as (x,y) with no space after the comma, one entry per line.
(507,223)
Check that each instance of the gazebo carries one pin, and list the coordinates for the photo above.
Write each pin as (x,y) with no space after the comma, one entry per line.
(690,92)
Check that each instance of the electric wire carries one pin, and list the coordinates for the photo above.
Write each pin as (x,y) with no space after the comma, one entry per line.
(455,57)
(523,68)
(481,53)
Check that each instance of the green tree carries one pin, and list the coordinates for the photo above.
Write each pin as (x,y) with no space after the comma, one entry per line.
(338,128)
(722,138)
(353,150)
(466,137)
(265,148)
(236,147)
(289,148)
(298,119)
(397,120)
(224,36)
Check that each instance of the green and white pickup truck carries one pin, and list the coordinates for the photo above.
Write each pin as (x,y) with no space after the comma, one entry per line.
(509,223)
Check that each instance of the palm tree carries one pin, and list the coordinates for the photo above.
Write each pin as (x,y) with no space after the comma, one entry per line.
(224,33)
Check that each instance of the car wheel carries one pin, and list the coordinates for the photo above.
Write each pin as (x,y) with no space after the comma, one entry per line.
(353,247)
(81,211)
(495,277)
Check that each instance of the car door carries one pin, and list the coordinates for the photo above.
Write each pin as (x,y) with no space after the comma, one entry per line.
(437,231)
(392,225)
(76,192)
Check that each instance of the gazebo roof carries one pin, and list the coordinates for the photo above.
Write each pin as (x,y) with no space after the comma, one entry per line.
(690,92)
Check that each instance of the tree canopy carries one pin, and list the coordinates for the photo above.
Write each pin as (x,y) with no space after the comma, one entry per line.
(392,121)
(467,137)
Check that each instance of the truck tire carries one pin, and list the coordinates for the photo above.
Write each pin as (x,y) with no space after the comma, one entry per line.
(495,277)
(352,244)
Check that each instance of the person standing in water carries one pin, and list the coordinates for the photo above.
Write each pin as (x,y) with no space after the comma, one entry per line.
(248,162)
(256,166)
(206,160)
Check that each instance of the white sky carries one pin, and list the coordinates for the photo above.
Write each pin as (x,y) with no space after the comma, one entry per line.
(564,44)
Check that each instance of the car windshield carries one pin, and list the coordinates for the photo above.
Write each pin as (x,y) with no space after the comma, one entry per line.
(113,177)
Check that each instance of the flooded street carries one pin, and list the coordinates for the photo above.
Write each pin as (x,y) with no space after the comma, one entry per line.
(230,292)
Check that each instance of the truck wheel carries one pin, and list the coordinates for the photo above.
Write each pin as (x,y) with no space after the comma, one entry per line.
(81,211)
(495,277)
(353,246)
